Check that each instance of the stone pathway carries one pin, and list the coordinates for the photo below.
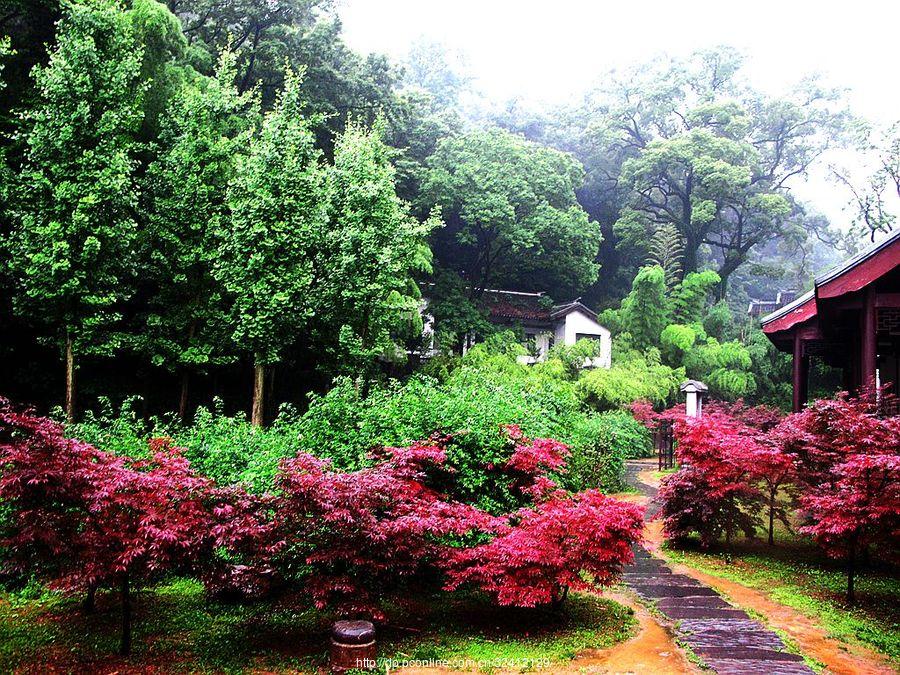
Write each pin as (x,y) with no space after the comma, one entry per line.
(724,637)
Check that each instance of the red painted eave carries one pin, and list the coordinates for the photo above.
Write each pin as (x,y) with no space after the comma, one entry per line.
(865,272)
(801,310)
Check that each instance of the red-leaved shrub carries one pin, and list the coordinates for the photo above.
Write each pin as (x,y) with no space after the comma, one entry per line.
(838,458)
(83,518)
(580,542)
(847,463)
(860,509)
(713,493)
(358,535)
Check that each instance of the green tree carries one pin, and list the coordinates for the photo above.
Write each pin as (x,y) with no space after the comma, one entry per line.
(72,252)
(695,148)
(307,35)
(279,221)
(164,66)
(511,213)
(372,249)
(206,127)
(667,251)
(646,311)
(691,297)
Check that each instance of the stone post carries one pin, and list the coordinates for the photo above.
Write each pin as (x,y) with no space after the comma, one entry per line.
(695,392)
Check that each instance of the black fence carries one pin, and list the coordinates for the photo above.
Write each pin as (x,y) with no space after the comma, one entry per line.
(664,442)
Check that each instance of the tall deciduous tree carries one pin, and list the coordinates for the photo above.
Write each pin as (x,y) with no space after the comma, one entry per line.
(207,125)
(373,247)
(511,213)
(695,148)
(72,253)
(279,222)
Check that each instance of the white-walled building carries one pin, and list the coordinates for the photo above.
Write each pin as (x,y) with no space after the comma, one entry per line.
(543,323)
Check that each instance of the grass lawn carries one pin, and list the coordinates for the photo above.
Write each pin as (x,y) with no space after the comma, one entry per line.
(176,629)
(795,573)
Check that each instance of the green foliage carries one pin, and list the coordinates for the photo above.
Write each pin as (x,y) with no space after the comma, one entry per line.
(227,449)
(633,376)
(708,155)
(726,367)
(279,207)
(718,321)
(603,444)
(645,335)
(164,64)
(511,213)
(454,310)
(572,357)
(72,252)
(645,311)
(771,370)
(472,404)
(666,250)
(372,248)
(689,298)
(203,635)
(487,390)
(205,130)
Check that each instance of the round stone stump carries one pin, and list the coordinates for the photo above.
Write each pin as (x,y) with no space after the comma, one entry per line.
(352,646)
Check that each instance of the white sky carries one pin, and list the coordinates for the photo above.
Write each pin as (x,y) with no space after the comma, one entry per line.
(551,52)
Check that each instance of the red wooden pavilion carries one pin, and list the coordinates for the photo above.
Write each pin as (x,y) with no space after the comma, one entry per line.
(851,320)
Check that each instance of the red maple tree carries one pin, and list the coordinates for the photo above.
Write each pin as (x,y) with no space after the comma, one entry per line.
(713,493)
(861,509)
(83,519)
(579,542)
(358,535)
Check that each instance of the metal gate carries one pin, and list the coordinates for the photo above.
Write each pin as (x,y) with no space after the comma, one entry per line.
(664,441)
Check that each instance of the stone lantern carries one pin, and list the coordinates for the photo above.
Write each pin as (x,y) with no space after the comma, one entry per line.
(694,392)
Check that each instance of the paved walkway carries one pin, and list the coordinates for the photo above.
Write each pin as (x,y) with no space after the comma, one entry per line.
(724,637)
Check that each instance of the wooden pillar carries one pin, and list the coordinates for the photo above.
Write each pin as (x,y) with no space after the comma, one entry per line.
(800,374)
(868,343)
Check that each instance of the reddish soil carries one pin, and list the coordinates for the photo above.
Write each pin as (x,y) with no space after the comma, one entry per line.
(651,650)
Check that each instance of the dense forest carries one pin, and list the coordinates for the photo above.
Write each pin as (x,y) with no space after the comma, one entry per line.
(206,198)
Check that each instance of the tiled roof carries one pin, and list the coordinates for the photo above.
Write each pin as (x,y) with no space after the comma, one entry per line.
(516,306)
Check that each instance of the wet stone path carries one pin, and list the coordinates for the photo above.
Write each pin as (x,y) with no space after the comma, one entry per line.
(724,637)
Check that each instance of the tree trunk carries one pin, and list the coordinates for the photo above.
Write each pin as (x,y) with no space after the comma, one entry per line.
(560,597)
(259,394)
(771,517)
(125,644)
(851,574)
(70,378)
(89,605)
(183,398)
